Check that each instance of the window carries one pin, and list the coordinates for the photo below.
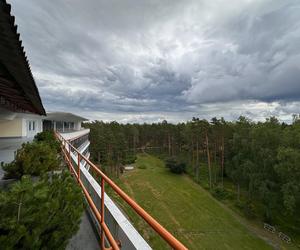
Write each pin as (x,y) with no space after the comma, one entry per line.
(31,125)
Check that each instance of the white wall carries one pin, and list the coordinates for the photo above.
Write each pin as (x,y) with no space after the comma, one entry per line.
(11,128)
(38,126)
(77,125)
(14,131)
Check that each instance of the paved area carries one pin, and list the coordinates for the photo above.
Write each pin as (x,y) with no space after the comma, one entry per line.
(12,143)
(1,173)
(85,239)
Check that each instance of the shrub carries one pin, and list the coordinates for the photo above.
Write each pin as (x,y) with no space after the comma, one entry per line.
(33,158)
(220,193)
(49,138)
(247,207)
(129,159)
(142,166)
(40,215)
(175,166)
(170,162)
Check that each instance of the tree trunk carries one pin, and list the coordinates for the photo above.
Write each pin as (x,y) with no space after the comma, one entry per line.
(197,161)
(222,161)
(99,157)
(169,144)
(192,158)
(118,167)
(215,163)
(173,149)
(238,191)
(208,160)
(134,144)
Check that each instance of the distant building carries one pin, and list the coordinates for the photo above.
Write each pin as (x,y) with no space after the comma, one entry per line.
(69,126)
(16,129)
(19,128)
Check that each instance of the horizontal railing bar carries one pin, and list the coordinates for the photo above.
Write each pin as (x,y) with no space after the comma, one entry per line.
(94,208)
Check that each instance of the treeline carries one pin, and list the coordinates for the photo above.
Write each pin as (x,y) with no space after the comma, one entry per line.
(262,159)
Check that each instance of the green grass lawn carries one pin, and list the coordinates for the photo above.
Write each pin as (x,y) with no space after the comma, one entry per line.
(184,208)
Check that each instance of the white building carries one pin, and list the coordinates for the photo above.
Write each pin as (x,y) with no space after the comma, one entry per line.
(19,128)
(69,126)
(15,129)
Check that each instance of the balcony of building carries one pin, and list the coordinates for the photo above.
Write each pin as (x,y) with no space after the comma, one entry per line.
(75,134)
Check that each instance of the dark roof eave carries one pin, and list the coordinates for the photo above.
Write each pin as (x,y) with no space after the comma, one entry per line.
(14,60)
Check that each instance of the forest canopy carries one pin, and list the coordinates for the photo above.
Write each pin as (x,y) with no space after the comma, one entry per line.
(260,158)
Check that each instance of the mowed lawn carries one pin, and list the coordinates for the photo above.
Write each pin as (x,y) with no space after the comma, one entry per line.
(184,208)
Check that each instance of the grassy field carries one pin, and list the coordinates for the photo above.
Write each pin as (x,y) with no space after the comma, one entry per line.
(184,208)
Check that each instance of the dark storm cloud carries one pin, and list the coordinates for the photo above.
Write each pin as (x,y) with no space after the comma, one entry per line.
(164,58)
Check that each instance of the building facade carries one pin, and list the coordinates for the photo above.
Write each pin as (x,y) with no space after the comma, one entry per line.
(19,128)
(69,126)
(16,129)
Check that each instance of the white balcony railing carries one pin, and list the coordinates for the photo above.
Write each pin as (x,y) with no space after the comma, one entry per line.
(74,134)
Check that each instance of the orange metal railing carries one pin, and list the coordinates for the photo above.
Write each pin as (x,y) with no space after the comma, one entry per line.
(105,232)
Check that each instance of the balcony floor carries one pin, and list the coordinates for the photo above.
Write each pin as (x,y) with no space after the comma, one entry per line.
(86,237)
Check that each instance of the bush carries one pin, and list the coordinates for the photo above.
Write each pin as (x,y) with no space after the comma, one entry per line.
(40,215)
(49,138)
(220,193)
(33,158)
(130,159)
(175,166)
(247,207)
(142,166)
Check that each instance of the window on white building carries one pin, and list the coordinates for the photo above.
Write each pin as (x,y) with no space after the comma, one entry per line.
(31,125)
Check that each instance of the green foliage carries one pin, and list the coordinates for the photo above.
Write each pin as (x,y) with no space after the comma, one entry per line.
(247,207)
(288,170)
(49,138)
(175,166)
(142,166)
(129,159)
(40,215)
(33,158)
(220,193)
(260,158)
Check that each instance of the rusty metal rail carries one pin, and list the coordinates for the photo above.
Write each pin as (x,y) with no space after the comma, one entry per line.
(105,232)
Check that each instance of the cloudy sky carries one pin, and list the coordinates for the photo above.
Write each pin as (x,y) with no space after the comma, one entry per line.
(145,61)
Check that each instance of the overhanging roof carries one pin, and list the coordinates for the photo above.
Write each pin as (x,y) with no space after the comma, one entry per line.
(64,116)
(18,91)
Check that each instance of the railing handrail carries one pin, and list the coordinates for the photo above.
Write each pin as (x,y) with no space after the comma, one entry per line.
(164,233)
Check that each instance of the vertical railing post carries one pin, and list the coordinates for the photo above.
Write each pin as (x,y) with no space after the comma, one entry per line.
(69,152)
(102,213)
(78,165)
(62,148)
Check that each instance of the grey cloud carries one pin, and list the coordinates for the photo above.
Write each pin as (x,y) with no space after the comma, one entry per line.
(163,57)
